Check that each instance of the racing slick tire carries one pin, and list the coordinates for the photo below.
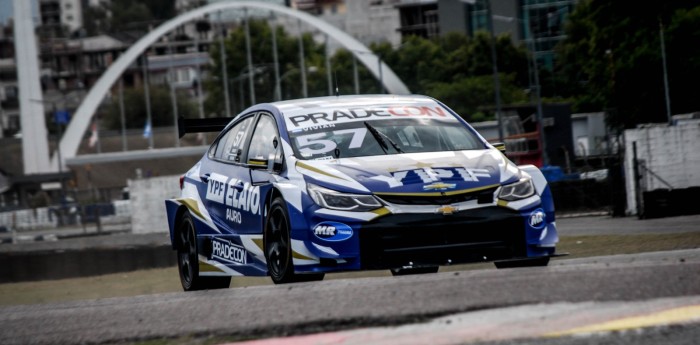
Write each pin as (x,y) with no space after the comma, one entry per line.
(278,246)
(414,270)
(188,261)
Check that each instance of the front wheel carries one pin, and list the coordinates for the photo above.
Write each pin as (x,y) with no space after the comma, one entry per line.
(278,247)
(188,260)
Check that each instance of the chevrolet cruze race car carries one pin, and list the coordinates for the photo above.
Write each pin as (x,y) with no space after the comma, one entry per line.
(296,189)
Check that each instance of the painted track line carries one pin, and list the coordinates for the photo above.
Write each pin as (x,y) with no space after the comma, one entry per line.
(510,323)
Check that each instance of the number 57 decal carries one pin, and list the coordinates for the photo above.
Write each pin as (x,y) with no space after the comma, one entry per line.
(313,144)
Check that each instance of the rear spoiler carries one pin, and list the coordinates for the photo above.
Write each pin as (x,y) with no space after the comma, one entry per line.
(211,124)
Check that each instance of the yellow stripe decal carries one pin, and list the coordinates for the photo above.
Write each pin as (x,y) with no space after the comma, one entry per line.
(192,206)
(258,242)
(205,267)
(381,211)
(298,255)
(666,317)
(454,192)
(316,170)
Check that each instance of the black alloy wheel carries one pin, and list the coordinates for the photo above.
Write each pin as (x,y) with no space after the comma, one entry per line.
(188,260)
(278,249)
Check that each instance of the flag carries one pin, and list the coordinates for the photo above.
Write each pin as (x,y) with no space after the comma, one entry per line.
(147,130)
(94,137)
(61,117)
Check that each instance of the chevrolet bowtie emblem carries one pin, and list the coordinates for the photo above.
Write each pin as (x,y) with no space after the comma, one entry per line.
(446,210)
(439,186)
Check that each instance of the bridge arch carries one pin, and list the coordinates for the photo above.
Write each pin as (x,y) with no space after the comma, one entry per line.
(71,140)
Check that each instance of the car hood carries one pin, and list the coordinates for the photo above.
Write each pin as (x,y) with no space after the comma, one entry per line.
(414,173)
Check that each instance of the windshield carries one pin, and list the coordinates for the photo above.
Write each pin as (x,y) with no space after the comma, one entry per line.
(382,136)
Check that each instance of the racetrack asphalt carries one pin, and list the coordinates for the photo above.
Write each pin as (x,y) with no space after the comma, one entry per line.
(342,304)
(76,238)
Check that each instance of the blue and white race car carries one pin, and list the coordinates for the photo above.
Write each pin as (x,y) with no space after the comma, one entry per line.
(295,189)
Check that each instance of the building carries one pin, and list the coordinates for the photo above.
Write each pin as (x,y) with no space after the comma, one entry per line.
(60,15)
(537,23)
(419,18)
(9,89)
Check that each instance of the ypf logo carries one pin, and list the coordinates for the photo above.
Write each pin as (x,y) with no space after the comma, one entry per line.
(332,231)
(537,219)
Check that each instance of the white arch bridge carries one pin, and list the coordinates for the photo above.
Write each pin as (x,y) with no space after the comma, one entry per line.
(71,140)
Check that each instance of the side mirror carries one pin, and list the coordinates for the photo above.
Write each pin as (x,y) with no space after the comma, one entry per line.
(257,163)
(272,163)
(264,164)
(500,147)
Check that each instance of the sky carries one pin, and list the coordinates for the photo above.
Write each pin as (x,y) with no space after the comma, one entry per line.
(6,10)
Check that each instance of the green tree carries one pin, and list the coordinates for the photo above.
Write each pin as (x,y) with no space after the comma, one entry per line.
(263,67)
(611,59)
(458,70)
(455,68)
(135,108)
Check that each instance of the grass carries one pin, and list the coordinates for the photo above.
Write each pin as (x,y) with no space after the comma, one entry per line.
(152,281)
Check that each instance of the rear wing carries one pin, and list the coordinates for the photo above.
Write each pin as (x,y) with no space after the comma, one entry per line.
(211,124)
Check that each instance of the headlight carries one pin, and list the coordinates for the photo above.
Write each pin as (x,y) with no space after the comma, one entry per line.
(335,200)
(518,190)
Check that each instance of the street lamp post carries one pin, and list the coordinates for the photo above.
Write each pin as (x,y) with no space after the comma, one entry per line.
(381,77)
(249,56)
(224,72)
(273,29)
(663,60)
(147,97)
(328,67)
(122,113)
(173,97)
(538,97)
(355,77)
(302,63)
(496,81)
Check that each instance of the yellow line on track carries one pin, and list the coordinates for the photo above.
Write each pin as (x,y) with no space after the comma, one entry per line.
(666,317)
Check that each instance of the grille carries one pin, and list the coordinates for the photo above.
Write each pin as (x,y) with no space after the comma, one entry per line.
(399,239)
(482,197)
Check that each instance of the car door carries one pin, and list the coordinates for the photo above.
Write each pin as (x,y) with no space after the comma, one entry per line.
(263,158)
(223,174)
(238,174)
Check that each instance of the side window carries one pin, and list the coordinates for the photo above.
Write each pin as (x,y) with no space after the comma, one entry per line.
(262,146)
(229,146)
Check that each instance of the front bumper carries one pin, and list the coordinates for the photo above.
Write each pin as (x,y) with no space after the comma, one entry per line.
(484,234)
(420,239)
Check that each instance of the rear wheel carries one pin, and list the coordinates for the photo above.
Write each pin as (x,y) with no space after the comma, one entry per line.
(188,260)
(414,270)
(278,247)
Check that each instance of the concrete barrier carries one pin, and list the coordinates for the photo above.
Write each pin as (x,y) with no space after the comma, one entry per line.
(147,198)
(61,264)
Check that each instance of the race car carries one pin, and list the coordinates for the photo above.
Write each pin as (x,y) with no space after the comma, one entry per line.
(299,188)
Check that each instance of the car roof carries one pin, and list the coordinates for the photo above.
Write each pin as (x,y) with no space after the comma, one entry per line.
(349,100)
(286,109)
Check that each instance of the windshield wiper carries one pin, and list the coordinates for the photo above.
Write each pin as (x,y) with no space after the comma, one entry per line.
(379,136)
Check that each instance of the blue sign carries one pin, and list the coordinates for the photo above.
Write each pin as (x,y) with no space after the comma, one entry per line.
(61,117)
